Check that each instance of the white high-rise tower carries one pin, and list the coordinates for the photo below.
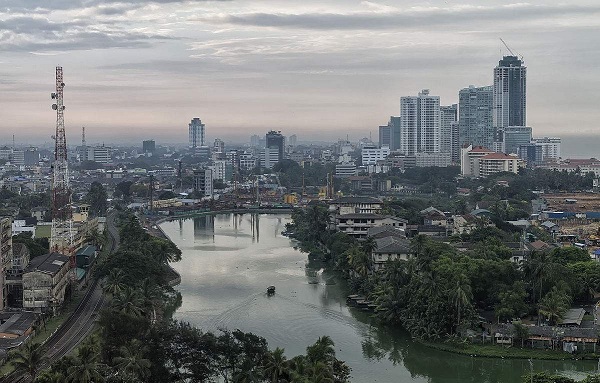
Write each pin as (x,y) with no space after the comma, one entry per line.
(420,124)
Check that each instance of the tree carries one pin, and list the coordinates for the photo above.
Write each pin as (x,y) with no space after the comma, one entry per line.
(28,359)
(129,301)
(512,302)
(276,365)
(359,261)
(554,305)
(114,282)
(132,363)
(520,332)
(462,295)
(97,198)
(87,369)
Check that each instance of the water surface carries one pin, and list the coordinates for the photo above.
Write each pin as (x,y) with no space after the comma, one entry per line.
(228,262)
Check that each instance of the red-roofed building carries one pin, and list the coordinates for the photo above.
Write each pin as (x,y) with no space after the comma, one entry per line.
(498,162)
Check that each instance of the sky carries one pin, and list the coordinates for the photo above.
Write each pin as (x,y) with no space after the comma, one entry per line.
(320,69)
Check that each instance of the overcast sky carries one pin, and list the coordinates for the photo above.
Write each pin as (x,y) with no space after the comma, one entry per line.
(321,69)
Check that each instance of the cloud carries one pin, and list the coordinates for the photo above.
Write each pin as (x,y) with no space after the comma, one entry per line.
(386,18)
(26,34)
(10,6)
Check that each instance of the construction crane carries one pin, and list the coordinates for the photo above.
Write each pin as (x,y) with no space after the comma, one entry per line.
(61,234)
(510,50)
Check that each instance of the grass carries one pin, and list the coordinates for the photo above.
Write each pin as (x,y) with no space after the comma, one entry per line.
(505,352)
(42,231)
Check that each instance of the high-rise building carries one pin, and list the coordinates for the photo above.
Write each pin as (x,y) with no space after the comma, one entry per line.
(448,116)
(149,146)
(219,146)
(550,147)
(385,132)
(255,140)
(420,124)
(275,140)
(203,182)
(394,125)
(512,137)
(370,154)
(293,141)
(475,117)
(32,156)
(455,152)
(100,154)
(270,157)
(196,133)
(510,91)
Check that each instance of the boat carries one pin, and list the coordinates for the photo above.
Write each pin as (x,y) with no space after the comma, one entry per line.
(271,290)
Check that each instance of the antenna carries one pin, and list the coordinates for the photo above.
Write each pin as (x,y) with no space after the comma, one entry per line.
(83,136)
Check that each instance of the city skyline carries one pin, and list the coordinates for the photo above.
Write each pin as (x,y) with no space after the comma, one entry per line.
(143,69)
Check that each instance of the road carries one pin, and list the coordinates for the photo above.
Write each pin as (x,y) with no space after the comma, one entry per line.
(81,322)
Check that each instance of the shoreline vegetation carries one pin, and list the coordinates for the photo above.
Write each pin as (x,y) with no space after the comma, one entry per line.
(136,339)
(439,293)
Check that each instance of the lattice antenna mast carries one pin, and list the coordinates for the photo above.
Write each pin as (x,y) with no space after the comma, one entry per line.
(61,237)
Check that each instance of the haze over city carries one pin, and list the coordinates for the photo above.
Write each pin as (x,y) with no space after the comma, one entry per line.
(319,69)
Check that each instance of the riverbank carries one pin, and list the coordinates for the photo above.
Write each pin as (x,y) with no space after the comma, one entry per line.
(503,352)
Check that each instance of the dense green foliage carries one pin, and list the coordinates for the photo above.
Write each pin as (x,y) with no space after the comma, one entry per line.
(97,199)
(36,246)
(440,290)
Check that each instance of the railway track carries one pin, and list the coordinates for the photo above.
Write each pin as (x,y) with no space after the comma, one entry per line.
(79,324)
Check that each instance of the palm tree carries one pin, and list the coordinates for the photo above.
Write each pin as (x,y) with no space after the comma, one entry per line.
(358,260)
(276,365)
(554,305)
(29,359)
(114,282)
(369,245)
(95,237)
(298,368)
(321,351)
(462,295)
(131,361)
(87,369)
(322,373)
(129,301)
(150,294)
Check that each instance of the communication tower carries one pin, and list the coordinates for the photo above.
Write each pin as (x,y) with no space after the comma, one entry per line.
(61,235)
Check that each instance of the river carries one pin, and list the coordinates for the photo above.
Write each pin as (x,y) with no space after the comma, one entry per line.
(228,262)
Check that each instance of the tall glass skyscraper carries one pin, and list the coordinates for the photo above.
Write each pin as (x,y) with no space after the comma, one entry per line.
(510,91)
(475,126)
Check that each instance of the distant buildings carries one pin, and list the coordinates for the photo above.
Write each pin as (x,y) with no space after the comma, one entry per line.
(45,281)
(100,154)
(482,162)
(510,138)
(550,147)
(196,133)
(149,146)
(420,124)
(385,132)
(275,140)
(219,146)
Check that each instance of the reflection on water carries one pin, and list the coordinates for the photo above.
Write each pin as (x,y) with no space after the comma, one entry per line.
(230,259)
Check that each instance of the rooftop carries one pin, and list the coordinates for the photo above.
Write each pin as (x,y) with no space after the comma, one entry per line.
(351,199)
(49,263)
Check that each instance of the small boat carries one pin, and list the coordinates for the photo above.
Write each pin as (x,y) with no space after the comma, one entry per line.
(271,290)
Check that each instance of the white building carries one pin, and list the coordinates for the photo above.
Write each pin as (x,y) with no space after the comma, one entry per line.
(372,154)
(448,117)
(420,123)
(345,169)
(550,147)
(218,169)
(19,226)
(441,160)
(100,154)
(469,159)
(269,157)
(498,162)
(247,161)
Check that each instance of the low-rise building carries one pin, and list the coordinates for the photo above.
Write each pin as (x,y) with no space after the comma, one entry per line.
(347,205)
(358,225)
(45,281)
(390,249)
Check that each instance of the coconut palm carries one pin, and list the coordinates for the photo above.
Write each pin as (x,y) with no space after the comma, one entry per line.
(276,365)
(462,295)
(28,359)
(131,361)
(129,301)
(358,260)
(321,351)
(87,369)
(114,282)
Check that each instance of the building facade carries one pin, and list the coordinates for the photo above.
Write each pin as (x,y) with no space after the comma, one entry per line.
(45,281)
(6,253)
(510,93)
(511,138)
(371,155)
(203,182)
(448,116)
(275,140)
(385,135)
(196,133)
(550,147)
(475,117)
(420,123)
